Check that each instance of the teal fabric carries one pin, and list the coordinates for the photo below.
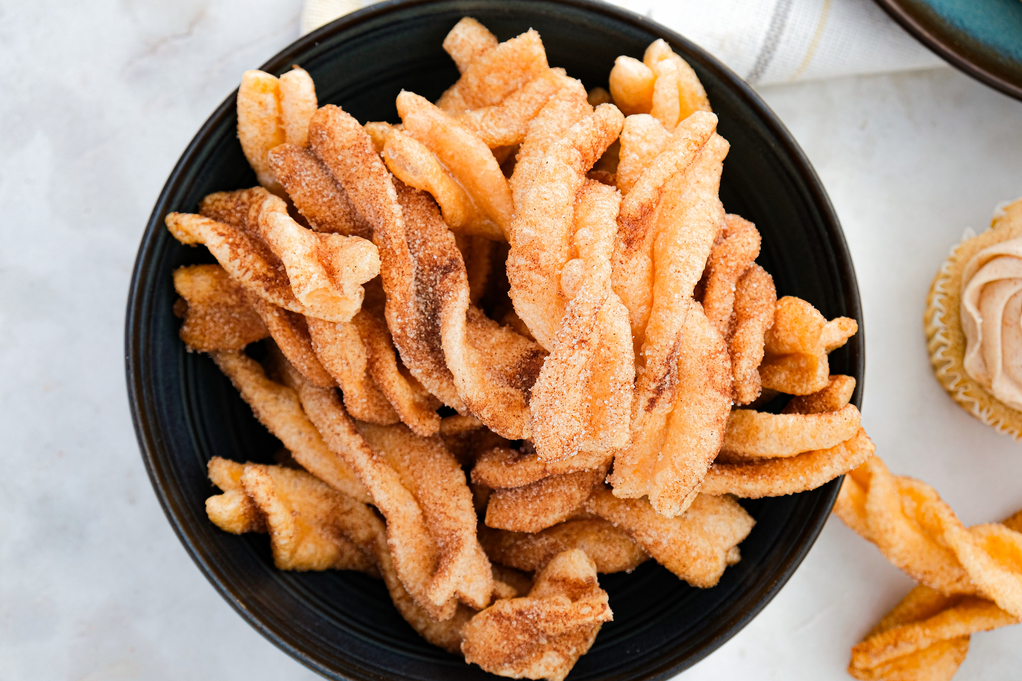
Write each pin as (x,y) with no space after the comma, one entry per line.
(987,33)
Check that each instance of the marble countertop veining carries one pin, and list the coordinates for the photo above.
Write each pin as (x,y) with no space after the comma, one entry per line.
(100,98)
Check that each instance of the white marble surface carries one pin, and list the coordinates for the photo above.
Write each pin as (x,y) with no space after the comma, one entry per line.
(99,99)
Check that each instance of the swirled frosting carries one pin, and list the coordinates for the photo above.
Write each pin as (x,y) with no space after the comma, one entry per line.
(991,313)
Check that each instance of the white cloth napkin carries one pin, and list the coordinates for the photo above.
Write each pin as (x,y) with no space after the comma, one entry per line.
(764,41)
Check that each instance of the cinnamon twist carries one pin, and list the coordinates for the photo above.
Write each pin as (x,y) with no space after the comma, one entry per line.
(923,537)
(926,636)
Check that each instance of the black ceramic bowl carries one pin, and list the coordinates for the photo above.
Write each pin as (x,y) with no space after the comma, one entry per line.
(981,39)
(342,624)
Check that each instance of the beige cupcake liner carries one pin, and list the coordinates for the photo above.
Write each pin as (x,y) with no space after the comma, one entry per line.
(945,339)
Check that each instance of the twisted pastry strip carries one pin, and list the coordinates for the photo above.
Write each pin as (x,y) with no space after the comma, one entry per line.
(921,535)
(927,634)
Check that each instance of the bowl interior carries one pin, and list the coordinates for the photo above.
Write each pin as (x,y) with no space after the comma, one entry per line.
(342,624)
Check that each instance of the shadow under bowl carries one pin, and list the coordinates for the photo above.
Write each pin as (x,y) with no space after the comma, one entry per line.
(185,411)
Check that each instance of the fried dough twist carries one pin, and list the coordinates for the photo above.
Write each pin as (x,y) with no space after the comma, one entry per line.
(301,513)
(920,534)
(797,346)
(926,636)
(780,476)
(543,634)
(697,545)
(683,393)
(277,407)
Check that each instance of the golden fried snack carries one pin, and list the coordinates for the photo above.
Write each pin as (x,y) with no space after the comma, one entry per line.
(666,103)
(696,546)
(591,242)
(257,242)
(492,366)
(631,86)
(564,109)
(633,253)
(496,73)
(216,314)
(320,200)
(365,530)
(677,92)
(543,225)
(505,467)
(935,660)
(835,396)
(610,548)
(561,414)
(301,514)
(426,470)
(297,105)
(797,345)
(378,131)
(925,636)
(780,477)
(412,546)
(445,634)
(416,407)
(360,355)
(310,532)
(246,258)
(643,138)
(612,380)
(277,407)
(345,527)
(542,635)
(340,349)
(506,124)
(601,244)
(736,249)
(303,518)
(908,524)
(597,96)
(774,478)
(582,398)
(468,41)
(326,270)
(757,435)
(290,332)
(345,148)
(414,164)
(463,153)
(273,111)
(259,128)
(434,476)
(233,511)
(677,432)
(751,318)
(920,534)
(240,209)
(544,503)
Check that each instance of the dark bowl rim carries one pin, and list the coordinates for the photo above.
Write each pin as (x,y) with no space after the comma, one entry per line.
(148,438)
(944,47)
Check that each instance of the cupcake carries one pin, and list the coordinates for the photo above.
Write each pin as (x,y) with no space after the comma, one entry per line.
(973,322)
